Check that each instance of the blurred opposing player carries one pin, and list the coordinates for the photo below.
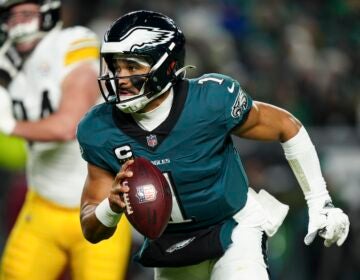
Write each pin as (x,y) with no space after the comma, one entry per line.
(50,74)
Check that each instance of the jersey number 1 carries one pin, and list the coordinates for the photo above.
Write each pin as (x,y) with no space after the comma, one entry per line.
(177,213)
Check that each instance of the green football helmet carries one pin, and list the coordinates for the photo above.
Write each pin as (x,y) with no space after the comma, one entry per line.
(146,36)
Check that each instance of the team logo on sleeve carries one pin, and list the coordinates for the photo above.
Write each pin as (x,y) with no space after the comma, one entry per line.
(240,105)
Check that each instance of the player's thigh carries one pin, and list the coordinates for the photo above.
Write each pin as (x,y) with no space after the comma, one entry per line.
(106,260)
(30,252)
(245,259)
(199,271)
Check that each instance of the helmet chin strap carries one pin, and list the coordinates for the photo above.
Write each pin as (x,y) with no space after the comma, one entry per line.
(135,105)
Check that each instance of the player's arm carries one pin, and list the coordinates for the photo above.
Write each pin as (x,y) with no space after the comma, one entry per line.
(79,92)
(267,122)
(101,204)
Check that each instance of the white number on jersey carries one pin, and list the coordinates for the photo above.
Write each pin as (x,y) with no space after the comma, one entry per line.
(177,215)
(212,79)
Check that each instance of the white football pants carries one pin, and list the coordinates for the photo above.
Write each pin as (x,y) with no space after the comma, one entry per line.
(245,258)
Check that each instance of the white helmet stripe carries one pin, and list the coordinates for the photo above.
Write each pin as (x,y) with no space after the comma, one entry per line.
(162,59)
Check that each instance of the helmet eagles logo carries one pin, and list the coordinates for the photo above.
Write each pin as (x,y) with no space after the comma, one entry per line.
(143,36)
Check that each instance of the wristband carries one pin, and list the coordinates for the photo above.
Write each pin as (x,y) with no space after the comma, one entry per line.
(105,215)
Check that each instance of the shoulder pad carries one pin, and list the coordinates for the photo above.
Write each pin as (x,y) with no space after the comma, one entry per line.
(96,118)
(218,82)
(78,44)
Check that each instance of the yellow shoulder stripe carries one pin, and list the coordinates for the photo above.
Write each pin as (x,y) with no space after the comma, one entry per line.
(85,40)
(81,54)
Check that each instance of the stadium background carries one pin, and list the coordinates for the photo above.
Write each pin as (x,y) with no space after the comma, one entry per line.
(303,56)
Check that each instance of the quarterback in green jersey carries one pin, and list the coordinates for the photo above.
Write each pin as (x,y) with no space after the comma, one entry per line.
(218,224)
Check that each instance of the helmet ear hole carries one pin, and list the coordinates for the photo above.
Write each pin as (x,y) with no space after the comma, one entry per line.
(171,67)
(50,13)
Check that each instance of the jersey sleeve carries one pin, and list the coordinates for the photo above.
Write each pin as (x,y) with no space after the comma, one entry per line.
(90,152)
(78,45)
(227,101)
(237,107)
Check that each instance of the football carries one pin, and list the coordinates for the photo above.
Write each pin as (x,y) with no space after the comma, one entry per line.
(149,200)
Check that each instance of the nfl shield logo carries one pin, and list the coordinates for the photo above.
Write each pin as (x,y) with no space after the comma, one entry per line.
(151,140)
(146,193)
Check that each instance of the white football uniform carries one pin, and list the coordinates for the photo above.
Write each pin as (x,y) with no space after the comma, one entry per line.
(48,226)
(246,257)
(55,170)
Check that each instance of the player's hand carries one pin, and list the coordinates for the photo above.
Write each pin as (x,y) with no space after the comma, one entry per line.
(330,223)
(119,187)
(7,120)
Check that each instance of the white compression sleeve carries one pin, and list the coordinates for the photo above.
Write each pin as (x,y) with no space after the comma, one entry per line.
(105,215)
(303,159)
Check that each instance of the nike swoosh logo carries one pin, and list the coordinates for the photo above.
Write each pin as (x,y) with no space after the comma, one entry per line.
(231,89)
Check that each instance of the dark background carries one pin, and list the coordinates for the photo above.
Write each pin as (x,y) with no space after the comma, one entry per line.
(300,55)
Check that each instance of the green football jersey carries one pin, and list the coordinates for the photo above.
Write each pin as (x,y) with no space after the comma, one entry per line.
(192,147)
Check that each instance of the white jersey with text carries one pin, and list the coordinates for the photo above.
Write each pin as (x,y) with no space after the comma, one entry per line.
(55,170)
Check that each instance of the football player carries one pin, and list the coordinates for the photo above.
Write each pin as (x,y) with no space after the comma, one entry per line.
(218,224)
(50,74)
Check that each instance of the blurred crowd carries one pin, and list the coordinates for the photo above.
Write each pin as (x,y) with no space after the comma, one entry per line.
(303,56)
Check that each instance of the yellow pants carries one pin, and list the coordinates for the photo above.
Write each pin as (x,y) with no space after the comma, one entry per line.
(46,238)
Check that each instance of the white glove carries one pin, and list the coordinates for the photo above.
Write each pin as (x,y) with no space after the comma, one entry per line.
(7,120)
(330,223)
